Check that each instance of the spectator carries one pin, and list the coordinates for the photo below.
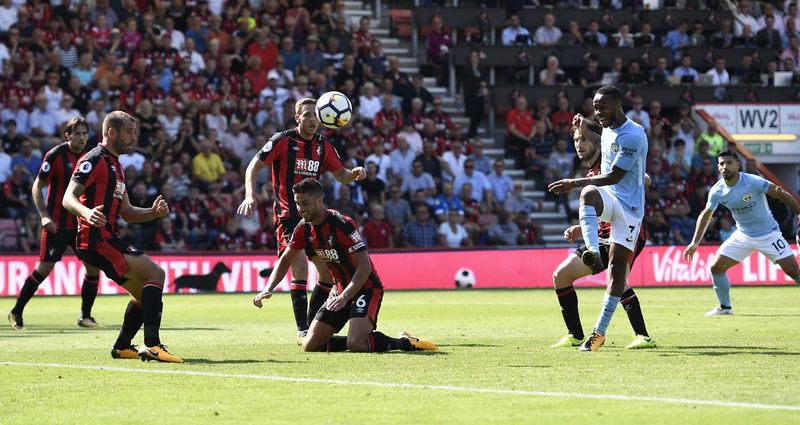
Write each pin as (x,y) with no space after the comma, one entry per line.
(401,159)
(505,231)
(30,233)
(659,231)
(44,124)
(680,158)
(235,143)
(28,159)
(8,15)
(645,36)
(451,233)
(454,160)
(593,37)
(638,115)
(388,113)
(703,156)
(377,232)
(284,76)
(573,36)
(446,202)
(14,112)
(431,164)
(440,118)
(421,231)
(437,48)
(768,14)
(591,76)
(792,53)
(17,200)
(716,143)
(12,140)
(517,203)
(719,74)
(686,73)
(5,165)
(726,229)
(397,209)
(678,39)
(475,90)
(207,166)
(623,37)
(747,72)
(564,115)
(723,37)
(682,226)
(481,188)
(659,74)
(178,180)
(537,153)
(312,58)
(168,238)
(743,18)
(411,136)
(418,180)
(381,160)
(547,35)
(515,34)
(368,104)
(66,112)
(520,128)
(373,187)
(501,183)
(553,74)
(697,37)
(529,231)
(482,162)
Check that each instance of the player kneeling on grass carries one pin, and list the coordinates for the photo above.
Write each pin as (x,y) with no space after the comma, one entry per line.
(96,195)
(357,295)
(756,229)
(572,268)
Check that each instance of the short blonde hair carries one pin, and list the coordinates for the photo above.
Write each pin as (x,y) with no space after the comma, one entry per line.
(303,101)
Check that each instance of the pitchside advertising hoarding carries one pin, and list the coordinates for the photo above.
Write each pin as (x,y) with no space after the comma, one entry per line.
(755,118)
(529,268)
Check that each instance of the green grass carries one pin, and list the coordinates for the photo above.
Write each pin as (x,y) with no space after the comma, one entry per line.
(488,339)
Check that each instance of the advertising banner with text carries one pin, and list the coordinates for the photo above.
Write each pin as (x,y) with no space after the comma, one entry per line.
(518,268)
(750,118)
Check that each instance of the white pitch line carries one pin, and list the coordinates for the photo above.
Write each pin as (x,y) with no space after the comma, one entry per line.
(447,388)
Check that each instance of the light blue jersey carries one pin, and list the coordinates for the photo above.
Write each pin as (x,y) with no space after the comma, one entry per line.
(626,147)
(747,201)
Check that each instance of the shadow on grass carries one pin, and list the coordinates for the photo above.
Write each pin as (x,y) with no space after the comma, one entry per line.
(414,353)
(235,361)
(468,345)
(727,350)
(189,328)
(768,315)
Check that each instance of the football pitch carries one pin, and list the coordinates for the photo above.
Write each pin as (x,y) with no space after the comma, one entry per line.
(494,365)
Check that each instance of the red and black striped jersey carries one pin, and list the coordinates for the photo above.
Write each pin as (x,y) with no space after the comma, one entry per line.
(57,167)
(335,241)
(102,177)
(293,159)
(604,227)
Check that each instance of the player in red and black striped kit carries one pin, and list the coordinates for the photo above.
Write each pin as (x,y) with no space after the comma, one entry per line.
(58,225)
(294,155)
(332,241)
(97,196)
(573,268)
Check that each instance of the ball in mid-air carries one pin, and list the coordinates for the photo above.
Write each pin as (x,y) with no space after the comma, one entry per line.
(465,278)
(334,110)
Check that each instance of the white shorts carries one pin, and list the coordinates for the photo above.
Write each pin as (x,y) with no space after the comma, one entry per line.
(739,246)
(625,226)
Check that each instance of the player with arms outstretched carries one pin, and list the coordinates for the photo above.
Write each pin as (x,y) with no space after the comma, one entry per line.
(334,238)
(97,196)
(616,196)
(58,225)
(572,268)
(756,229)
(296,154)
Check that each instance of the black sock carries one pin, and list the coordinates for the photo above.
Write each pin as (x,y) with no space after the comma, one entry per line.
(318,297)
(568,299)
(337,343)
(26,292)
(130,325)
(630,302)
(151,313)
(379,343)
(300,304)
(88,294)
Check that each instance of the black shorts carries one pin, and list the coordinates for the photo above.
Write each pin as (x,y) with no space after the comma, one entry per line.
(604,250)
(367,303)
(284,229)
(109,256)
(53,245)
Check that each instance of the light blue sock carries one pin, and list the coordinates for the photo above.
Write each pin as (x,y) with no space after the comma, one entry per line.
(722,287)
(588,220)
(609,305)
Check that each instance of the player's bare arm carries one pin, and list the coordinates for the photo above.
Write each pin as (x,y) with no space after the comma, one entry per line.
(133,214)
(702,225)
(249,204)
(277,275)
(41,206)
(582,124)
(565,185)
(363,269)
(346,176)
(94,215)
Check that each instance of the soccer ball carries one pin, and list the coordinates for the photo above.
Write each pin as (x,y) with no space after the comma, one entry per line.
(465,278)
(334,110)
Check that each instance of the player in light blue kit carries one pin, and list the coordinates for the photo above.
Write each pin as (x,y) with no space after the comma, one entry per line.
(616,196)
(756,230)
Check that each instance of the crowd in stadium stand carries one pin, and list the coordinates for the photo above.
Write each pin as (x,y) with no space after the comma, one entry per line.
(210,81)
